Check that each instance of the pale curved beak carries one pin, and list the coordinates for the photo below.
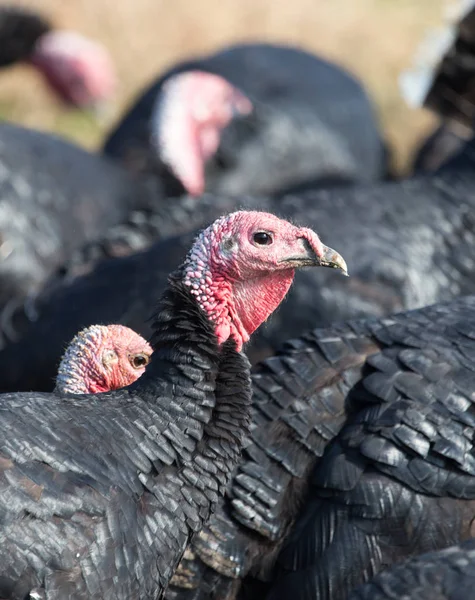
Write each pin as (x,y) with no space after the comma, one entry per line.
(309,258)
(331,258)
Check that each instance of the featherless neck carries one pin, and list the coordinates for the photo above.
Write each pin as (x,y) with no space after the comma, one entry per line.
(212,291)
(73,369)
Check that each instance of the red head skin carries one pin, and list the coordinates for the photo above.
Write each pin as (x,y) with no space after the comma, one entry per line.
(191,111)
(78,69)
(102,358)
(241,267)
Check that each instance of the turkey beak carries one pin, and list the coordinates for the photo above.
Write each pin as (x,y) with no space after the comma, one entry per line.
(310,258)
(331,258)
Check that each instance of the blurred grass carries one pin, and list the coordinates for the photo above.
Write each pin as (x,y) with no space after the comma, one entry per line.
(375,39)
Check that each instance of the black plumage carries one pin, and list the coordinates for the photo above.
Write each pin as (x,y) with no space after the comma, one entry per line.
(312,124)
(448,574)
(398,480)
(54,197)
(409,244)
(451,93)
(444,143)
(365,428)
(20,29)
(100,493)
(298,406)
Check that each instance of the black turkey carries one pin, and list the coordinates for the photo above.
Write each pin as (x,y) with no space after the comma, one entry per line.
(448,574)
(252,118)
(54,197)
(102,358)
(399,478)
(361,455)
(101,492)
(409,244)
(77,69)
(448,89)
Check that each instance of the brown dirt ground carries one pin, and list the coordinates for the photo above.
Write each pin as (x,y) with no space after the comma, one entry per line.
(375,39)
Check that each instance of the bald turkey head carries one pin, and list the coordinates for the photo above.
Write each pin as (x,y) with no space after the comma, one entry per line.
(191,111)
(241,267)
(102,358)
(78,69)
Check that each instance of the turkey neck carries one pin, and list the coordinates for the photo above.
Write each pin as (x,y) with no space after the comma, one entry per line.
(187,354)
(183,341)
(220,448)
(206,436)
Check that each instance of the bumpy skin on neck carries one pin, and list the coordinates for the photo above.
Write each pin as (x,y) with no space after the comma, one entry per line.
(213,292)
(97,360)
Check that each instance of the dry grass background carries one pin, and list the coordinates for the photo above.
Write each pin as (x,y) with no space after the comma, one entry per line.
(375,39)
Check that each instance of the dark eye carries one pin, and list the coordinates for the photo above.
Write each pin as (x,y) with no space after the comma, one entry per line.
(139,360)
(262,238)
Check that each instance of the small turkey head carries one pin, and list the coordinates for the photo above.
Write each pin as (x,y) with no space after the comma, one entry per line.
(102,358)
(78,69)
(191,111)
(241,267)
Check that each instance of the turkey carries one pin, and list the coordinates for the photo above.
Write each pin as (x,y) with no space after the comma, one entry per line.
(398,480)
(101,492)
(54,197)
(439,148)
(448,574)
(443,82)
(450,92)
(410,244)
(360,455)
(252,118)
(102,358)
(77,69)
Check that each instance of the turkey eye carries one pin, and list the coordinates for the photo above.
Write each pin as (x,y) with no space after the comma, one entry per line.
(262,238)
(139,360)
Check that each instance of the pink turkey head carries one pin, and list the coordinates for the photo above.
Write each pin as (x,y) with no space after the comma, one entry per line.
(102,358)
(191,111)
(241,267)
(78,69)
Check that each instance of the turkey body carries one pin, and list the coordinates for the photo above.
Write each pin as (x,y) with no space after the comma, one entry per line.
(451,92)
(19,32)
(441,146)
(360,456)
(409,244)
(398,480)
(450,95)
(102,492)
(312,124)
(444,575)
(54,197)
(83,516)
